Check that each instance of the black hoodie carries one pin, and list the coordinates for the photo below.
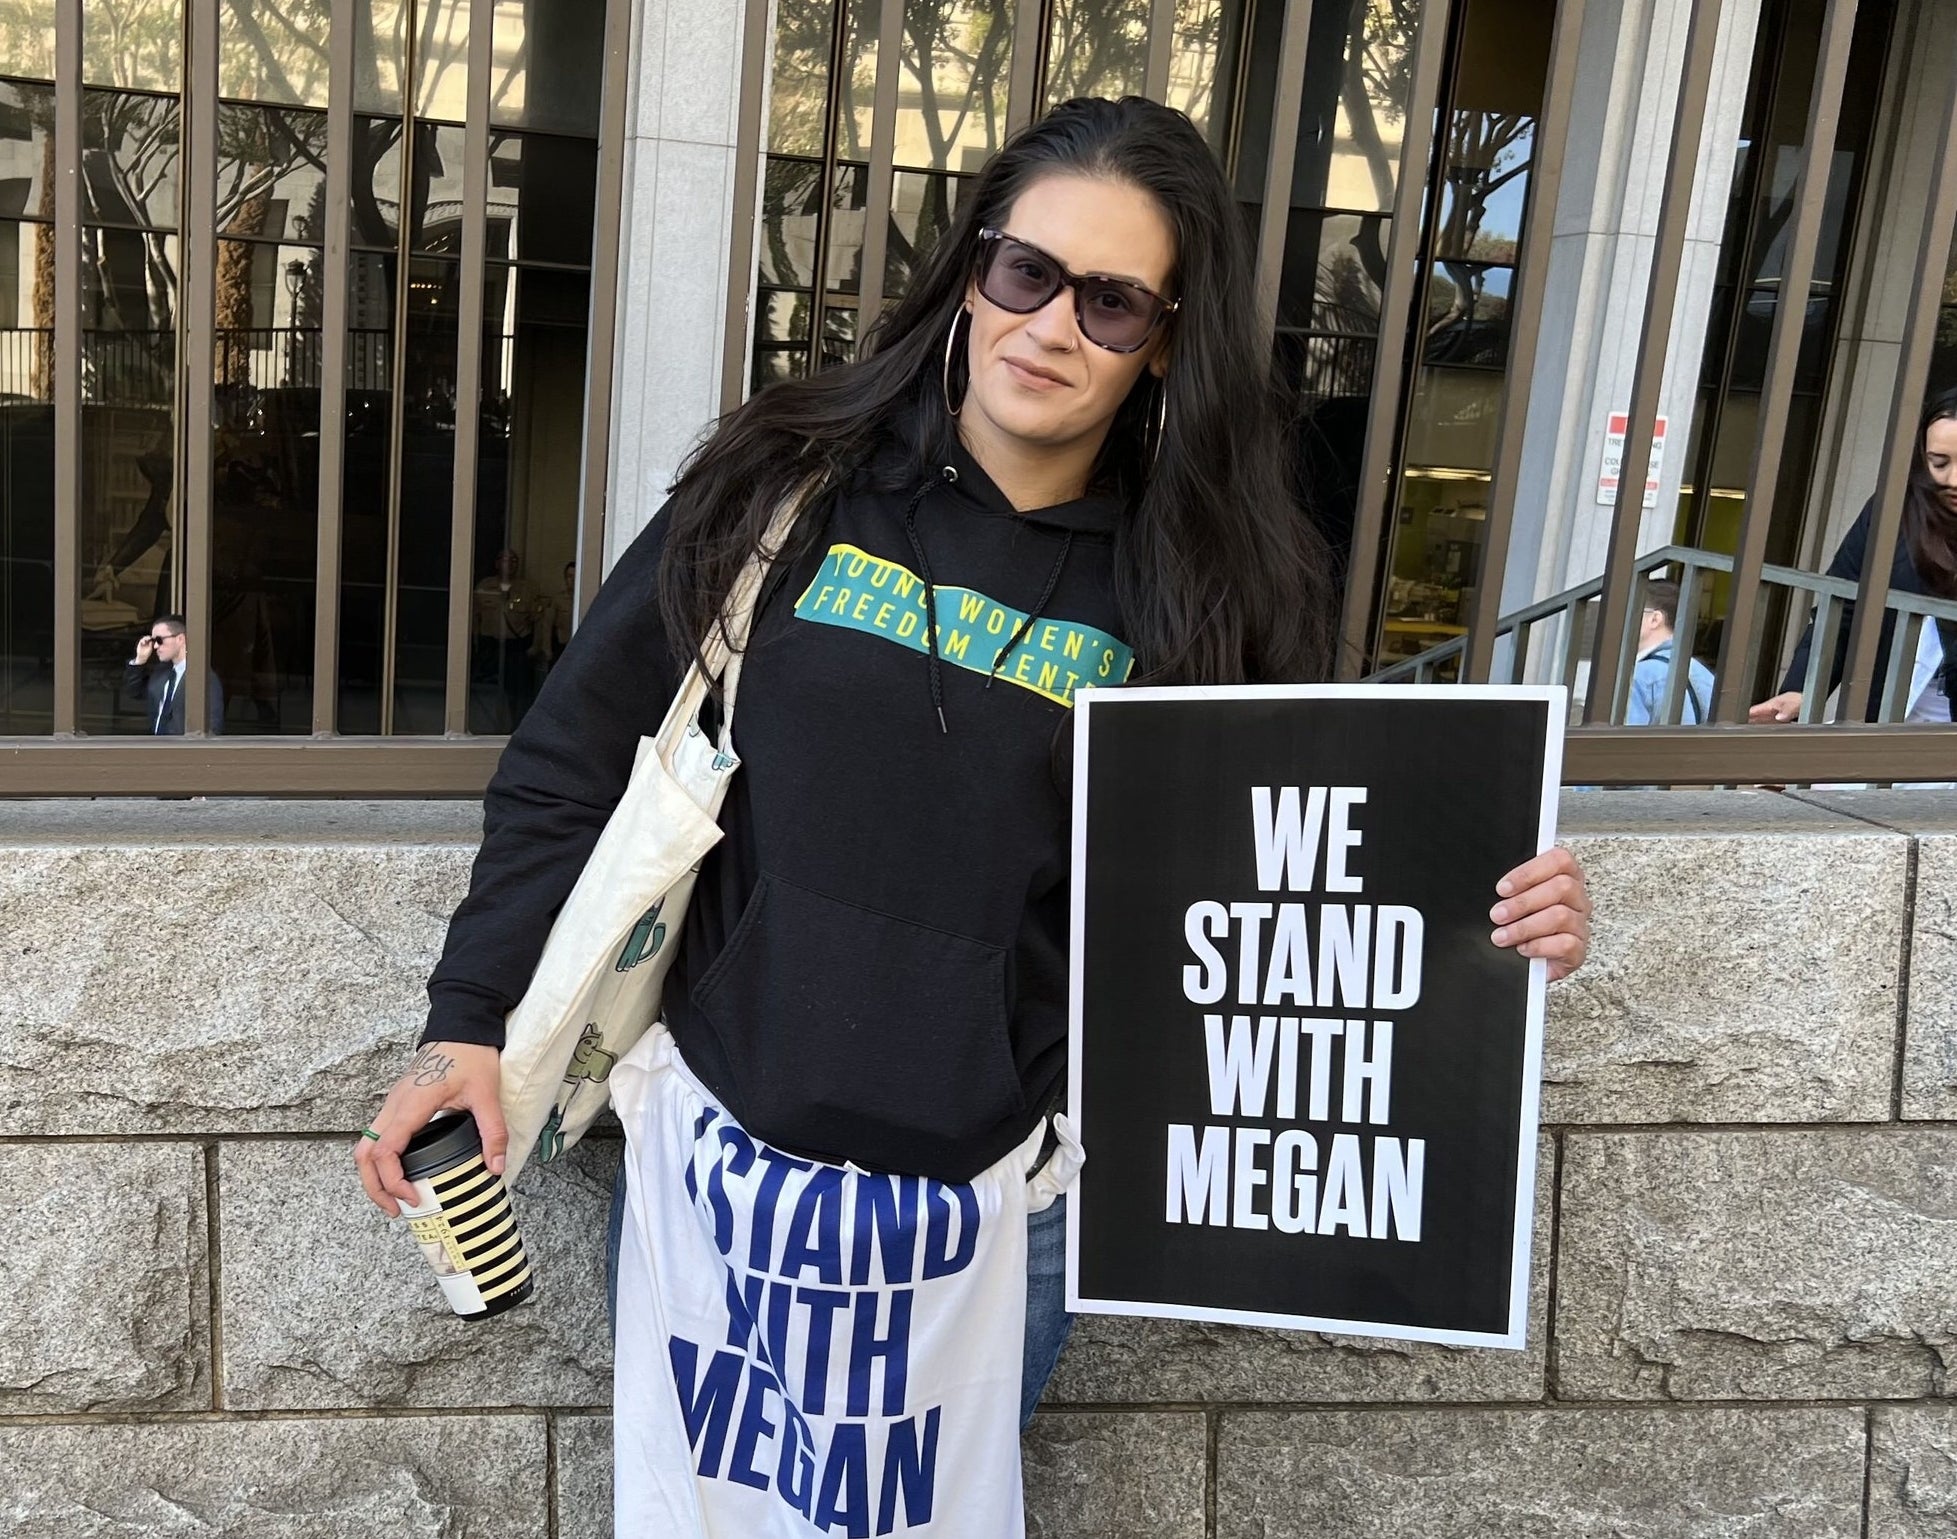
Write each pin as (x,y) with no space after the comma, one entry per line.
(874,964)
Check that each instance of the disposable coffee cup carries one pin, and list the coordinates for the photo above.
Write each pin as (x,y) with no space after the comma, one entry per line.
(463,1220)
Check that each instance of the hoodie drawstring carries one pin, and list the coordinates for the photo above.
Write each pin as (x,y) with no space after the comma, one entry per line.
(1026,625)
(933,666)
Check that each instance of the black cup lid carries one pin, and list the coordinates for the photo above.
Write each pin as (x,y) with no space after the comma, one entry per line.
(448,1139)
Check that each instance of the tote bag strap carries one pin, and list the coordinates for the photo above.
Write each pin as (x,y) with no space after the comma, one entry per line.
(726,645)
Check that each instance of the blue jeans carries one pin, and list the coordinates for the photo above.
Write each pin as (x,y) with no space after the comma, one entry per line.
(1047,1320)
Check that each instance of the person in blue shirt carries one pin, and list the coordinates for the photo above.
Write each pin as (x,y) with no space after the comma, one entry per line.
(1655,641)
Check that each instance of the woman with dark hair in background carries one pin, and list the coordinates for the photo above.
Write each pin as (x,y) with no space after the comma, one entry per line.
(1925,562)
(1065,437)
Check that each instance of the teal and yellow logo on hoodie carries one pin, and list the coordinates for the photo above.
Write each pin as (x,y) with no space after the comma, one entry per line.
(862,592)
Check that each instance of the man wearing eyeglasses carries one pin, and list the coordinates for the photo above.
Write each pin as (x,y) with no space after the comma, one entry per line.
(155,679)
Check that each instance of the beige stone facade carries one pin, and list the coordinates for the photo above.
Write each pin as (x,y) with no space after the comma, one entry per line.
(1745,1305)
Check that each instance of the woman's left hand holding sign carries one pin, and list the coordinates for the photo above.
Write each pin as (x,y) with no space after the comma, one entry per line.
(1545,912)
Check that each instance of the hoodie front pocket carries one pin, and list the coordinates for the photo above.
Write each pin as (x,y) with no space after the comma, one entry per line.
(859,1034)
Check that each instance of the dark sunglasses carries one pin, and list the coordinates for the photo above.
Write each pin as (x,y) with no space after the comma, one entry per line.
(1112,312)
(167,636)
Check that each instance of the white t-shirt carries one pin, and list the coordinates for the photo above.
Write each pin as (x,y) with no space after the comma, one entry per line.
(807,1350)
(1928,700)
(170,692)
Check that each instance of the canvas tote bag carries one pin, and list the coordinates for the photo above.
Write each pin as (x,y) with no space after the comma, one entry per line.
(597,985)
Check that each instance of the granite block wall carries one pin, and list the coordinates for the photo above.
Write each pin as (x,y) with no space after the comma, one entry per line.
(1744,1315)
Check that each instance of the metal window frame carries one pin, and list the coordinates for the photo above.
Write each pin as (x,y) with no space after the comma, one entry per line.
(882,171)
(601,371)
(1810,196)
(1761,94)
(468,366)
(1029,31)
(458,766)
(1912,368)
(67,365)
(1610,672)
(1390,377)
(1161,49)
(198,237)
(737,332)
(241,766)
(1528,287)
(1287,106)
(398,372)
(335,259)
(1727,755)
(67,762)
(1026,68)
(442,767)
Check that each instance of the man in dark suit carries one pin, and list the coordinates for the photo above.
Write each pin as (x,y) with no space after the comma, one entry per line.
(155,678)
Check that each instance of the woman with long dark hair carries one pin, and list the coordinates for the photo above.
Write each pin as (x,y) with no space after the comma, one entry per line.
(1925,562)
(1059,464)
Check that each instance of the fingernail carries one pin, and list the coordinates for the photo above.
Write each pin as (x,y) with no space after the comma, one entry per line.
(1499,913)
(1501,937)
(496,1164)
(1505,887)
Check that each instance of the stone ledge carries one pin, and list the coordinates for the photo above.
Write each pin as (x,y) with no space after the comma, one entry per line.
(104,1293)
(451,1477)
(326,1304)
(1696,814)
(137,823)
(1762,996)
(1757,1265)
(316,924)
(1522,1474)
(1130,1475)
(264,988)
(1115,1475)
(1929,1078)
(1902,810)
(1929,1088)
(584,1476)
(1913,1473)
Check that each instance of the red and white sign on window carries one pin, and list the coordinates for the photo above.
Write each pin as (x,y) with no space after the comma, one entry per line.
(1616,425)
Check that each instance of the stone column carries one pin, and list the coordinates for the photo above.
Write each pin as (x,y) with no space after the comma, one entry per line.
(676,229)
(1632,54)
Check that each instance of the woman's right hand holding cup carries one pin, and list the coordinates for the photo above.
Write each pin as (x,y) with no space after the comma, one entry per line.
(444,1076)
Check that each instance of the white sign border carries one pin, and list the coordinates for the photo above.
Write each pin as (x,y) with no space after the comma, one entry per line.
(1556,698)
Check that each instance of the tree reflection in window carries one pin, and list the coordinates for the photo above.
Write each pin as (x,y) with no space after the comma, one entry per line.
(1097,48)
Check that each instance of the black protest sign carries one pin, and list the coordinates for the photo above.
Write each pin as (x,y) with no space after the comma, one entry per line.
(1305,1077)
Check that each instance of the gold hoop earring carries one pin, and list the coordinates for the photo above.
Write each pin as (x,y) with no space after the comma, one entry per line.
(951,346)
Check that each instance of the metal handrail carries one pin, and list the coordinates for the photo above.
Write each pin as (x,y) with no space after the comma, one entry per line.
(1832,602)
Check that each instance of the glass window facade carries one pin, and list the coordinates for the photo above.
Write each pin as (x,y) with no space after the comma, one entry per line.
(131,209)
(1096,48)
(1396,384)
(954,60)
(1748,294)
(27,171)
(953,66)
(398,358)
(1476,207)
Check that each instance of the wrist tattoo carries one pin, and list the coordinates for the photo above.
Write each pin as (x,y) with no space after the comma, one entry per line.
(430,1067)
